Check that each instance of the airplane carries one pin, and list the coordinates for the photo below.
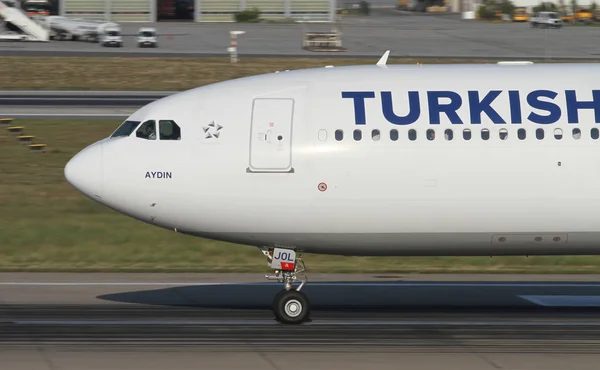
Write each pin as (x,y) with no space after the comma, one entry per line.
(364,160)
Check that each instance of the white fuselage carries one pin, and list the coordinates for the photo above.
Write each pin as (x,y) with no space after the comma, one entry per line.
(262,180)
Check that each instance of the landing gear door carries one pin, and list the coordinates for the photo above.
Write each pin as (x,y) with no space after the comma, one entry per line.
(271,135)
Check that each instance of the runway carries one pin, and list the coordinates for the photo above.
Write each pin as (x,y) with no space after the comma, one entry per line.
(80,98)
(185,321)
(75,104)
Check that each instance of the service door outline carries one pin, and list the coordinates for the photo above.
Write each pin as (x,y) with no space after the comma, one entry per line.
(271,135)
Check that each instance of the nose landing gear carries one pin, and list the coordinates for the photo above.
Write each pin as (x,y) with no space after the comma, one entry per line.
(290,306)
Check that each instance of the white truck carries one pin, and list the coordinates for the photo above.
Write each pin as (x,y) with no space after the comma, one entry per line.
(147,37)
(545,20)
(63,28)
(111,36)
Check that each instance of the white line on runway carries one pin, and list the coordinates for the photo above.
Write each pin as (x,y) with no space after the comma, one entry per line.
(564,300)
(357,284)
(314,323)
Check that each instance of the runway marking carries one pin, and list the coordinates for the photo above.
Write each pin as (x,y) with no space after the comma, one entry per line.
(314,323)
(355,284)
(564,300)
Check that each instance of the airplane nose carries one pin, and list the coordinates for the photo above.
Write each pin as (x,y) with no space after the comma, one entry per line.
(84,171)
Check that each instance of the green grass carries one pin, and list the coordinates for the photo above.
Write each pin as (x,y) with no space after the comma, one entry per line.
(114,73)
(45,225)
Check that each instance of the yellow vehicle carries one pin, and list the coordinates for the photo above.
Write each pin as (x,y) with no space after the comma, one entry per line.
(584,15)
(520,15)
(567,17)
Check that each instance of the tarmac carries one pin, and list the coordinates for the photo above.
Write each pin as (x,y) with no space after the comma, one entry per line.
(92,321)
(75,104)
(406,34)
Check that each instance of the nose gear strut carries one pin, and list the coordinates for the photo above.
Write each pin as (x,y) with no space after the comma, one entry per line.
(290,306)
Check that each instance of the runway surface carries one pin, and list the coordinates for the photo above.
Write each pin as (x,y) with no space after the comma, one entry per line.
(189,321)
(75,104)
(79,98)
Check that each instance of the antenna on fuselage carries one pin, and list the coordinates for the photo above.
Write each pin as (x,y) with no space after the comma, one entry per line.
(383,60)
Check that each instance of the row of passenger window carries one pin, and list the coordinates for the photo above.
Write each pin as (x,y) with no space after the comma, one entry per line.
(467,134)
(167,129)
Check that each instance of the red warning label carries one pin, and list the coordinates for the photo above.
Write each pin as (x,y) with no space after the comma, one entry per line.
(287,266)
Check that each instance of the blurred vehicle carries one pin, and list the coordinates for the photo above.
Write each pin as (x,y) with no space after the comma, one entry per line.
(63,28)
(147,37)
(546,19)
(584,16)
(111,36)
(20,26)
(520,15)
(36,7)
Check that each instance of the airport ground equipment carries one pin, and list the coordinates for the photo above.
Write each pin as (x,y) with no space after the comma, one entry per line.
(147,37)
(520,15)
(111,36)
(322,40)
(545,20)
(23,28)
(63,28)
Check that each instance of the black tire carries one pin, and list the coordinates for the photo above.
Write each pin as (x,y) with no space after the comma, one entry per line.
(288,300)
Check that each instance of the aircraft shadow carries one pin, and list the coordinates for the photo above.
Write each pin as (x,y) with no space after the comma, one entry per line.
(360,296)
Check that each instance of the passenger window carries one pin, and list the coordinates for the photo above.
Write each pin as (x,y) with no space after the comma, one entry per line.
(412,135)
(539,133)
(521,134)
(485,134)
(449,134)
(394,135)
(558,133)
(339,135)
(467,134)
(375,135)
(503,133)
(169,130)
(430,134)
(576,134)
(147,130)
(595,134)
(357,135)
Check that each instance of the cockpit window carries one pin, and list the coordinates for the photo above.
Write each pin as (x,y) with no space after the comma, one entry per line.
(125,129)
(169,130)
(147,130)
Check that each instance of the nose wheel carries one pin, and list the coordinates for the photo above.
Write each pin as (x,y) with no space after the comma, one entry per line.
(290,306)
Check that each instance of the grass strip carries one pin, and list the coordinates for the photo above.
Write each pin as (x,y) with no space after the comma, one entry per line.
(114,73)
